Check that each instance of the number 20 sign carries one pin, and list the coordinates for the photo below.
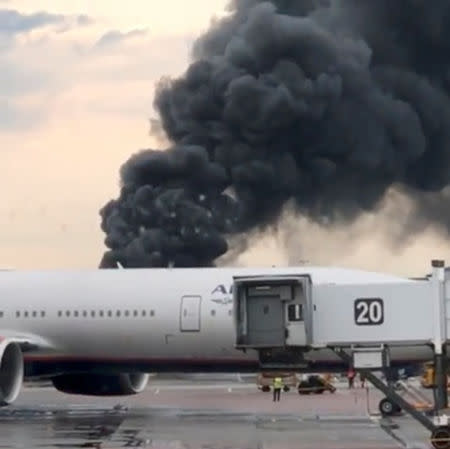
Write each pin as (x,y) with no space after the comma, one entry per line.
(369,311)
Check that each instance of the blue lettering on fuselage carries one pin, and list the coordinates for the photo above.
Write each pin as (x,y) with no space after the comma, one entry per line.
(223,290)
(222,294)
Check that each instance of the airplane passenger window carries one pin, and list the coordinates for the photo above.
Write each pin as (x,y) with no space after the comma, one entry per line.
(213,312)
(101,313)
(17,314)
(144,313)
(26,314)
(59,313)
(1,314)
(34,313)
(135,313)
(110,313)
(84,313)
(118,313)
(93,313)
(67,313)
(127,312)
(42,314)
(75,313)
(152,313)
(230,312)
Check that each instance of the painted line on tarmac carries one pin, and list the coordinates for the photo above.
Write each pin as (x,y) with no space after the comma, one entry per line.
(388,426)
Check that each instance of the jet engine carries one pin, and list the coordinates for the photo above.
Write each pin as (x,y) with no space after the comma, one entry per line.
(90,384)
(11,371)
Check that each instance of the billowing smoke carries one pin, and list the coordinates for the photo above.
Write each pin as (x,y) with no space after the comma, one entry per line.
(326,103)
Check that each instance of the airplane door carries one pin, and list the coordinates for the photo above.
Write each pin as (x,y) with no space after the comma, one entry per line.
(266,321)
(190,313)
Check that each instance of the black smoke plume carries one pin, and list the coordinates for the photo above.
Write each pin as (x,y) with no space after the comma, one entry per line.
(327,103)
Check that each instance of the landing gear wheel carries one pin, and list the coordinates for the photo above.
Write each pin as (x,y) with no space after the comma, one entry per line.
(388,408)
(440,438)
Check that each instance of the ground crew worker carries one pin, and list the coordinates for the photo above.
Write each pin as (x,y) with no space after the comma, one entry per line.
(277,386)
(362,378)
(351,377)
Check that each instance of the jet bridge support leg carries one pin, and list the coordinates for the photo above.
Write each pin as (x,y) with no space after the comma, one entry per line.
(440,365)
(440,434)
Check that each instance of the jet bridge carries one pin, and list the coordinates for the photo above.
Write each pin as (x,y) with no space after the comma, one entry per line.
(273,316)
(283,317)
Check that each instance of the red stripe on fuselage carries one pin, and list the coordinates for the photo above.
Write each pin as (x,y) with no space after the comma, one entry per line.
(193,361)
(185,361)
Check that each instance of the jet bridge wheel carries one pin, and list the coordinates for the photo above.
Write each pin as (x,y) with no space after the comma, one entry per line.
(440,438)
(388,408)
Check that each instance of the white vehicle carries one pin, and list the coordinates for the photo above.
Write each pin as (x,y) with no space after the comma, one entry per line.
(100,332)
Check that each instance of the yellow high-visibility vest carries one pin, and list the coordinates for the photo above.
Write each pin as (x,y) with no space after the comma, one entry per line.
(278,382)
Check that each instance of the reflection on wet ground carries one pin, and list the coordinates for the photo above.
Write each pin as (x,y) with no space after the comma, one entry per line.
(183,429)
(46,419)
(65,428)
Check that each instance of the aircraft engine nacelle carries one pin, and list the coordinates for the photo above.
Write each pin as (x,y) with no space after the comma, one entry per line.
(101,384)
(11,371)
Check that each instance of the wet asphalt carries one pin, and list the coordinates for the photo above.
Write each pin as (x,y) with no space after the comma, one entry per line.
(205,414)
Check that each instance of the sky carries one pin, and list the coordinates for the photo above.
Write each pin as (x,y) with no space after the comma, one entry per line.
(76,89)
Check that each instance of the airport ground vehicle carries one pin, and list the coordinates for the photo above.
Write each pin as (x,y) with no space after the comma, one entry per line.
(310,384)
(264,380)
(316,384)
(427,379)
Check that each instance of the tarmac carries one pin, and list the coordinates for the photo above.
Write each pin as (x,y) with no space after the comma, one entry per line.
(206,413)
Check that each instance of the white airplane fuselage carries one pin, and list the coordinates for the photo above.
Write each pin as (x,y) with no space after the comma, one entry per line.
(132,319)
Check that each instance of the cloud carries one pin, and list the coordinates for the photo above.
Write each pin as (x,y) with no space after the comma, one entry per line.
(83,20)
(15,116)
(108,72)
(13,22)
(91,70)
(17,80)
(115,36)
(20,79)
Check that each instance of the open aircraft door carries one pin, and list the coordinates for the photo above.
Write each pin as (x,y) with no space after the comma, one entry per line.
(265,316)
(273,317)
